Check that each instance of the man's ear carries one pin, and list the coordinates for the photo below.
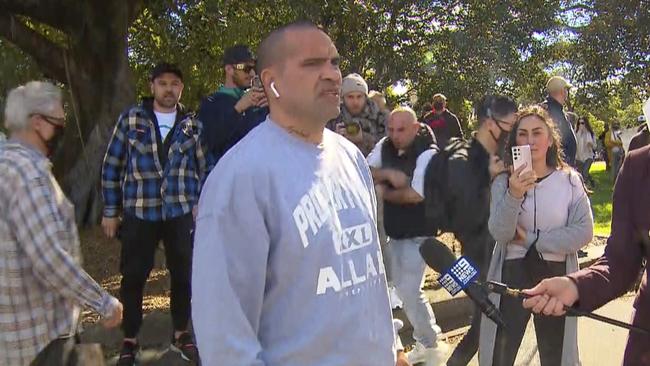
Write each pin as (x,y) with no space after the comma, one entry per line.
(266,77)
(151,87)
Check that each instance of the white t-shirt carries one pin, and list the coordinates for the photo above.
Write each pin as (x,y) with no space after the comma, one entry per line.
(585,151)
(417,183)
(165,123)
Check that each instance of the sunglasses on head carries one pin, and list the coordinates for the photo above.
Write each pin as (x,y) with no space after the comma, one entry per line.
(244,67)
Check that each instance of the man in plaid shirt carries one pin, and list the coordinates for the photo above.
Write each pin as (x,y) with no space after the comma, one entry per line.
(151,177)
(42,284)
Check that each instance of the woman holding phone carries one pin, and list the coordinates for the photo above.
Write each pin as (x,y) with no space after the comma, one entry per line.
(539,217)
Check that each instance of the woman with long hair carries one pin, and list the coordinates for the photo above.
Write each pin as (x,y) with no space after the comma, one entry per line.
(586,145)
(539,218)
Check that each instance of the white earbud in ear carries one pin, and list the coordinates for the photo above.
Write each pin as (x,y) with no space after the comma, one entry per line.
(274,90)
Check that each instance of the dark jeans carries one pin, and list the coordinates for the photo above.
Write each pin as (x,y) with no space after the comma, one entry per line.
(59,352)
(549,330)
(468,346)
(139,242)
(583,169)
(478,249)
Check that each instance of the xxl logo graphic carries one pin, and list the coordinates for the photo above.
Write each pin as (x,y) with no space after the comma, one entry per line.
(352,238)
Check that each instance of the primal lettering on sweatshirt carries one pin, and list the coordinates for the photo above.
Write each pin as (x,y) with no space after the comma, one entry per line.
(356,262)
(320,206)
(351,273)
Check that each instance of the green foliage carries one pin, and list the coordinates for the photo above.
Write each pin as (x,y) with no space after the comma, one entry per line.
(601,199)
(15,69)
(463,49)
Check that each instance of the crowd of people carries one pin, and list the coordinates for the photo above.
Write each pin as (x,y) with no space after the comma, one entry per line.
(292,208)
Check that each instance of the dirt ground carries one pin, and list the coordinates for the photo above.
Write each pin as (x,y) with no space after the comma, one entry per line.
(102,260)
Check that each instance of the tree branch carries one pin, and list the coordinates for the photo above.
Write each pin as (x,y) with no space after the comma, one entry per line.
(59,14)
(571,28)
(47,55)
(578,6)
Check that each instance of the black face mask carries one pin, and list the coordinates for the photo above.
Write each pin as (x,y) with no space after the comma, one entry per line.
(438,106)
(501,141)
(53,143)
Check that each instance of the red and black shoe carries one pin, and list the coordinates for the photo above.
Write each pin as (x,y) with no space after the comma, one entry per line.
(184,345)
(128,354)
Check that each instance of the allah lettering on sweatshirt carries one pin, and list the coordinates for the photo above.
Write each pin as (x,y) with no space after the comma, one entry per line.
(287,266)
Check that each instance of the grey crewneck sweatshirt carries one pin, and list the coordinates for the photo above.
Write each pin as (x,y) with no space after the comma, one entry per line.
(287,267)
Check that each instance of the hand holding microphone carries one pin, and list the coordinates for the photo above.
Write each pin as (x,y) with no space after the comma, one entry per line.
(551,296)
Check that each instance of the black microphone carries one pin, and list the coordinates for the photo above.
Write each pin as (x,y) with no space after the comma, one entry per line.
(439,257)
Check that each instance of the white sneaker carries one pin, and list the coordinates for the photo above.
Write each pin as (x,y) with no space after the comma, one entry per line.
(434,356)
(395,301)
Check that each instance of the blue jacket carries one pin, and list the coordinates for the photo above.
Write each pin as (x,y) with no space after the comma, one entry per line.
(147,177)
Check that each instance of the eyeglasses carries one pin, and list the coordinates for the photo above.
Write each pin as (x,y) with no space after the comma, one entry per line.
(54,121)
(499,122)
(244,67)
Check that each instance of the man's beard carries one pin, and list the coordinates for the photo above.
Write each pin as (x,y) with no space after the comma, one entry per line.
(241,83)
(167,103)
(356,112)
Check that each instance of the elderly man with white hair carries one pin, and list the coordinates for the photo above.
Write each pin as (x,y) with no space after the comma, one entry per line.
(558,95)
(42,284)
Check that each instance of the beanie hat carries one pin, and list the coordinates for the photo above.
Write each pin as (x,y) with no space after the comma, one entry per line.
(353,83)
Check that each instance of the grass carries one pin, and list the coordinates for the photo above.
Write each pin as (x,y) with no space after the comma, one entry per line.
(601,199)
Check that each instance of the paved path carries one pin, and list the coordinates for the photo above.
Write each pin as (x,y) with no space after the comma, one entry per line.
(598,343)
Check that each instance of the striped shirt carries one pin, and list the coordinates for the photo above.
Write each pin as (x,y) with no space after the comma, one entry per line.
(42,283)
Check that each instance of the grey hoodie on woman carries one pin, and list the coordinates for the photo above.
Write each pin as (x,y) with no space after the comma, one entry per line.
(559,208)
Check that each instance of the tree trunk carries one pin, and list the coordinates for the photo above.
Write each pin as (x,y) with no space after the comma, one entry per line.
(98,102)
(93,63)
(100,89)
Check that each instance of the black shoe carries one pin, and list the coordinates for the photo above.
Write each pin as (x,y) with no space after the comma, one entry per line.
(582,254)
(128,354)
(184,345)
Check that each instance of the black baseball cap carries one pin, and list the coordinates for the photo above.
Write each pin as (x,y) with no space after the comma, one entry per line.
(237,54)
(164,68)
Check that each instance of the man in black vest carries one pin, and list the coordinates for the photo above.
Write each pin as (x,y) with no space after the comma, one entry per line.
(408,143)
(454,187)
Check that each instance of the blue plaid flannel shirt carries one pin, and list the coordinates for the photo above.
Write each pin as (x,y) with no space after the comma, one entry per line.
(136,182)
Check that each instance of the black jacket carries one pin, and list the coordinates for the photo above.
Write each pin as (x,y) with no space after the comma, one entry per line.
(457,197)
(223,127)
(569,141)
(444,125)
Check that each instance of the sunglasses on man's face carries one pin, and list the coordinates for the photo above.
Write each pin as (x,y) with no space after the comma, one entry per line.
(244,67)
(54,121)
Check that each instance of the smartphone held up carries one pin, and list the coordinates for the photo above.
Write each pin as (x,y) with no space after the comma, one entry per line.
(521,156)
